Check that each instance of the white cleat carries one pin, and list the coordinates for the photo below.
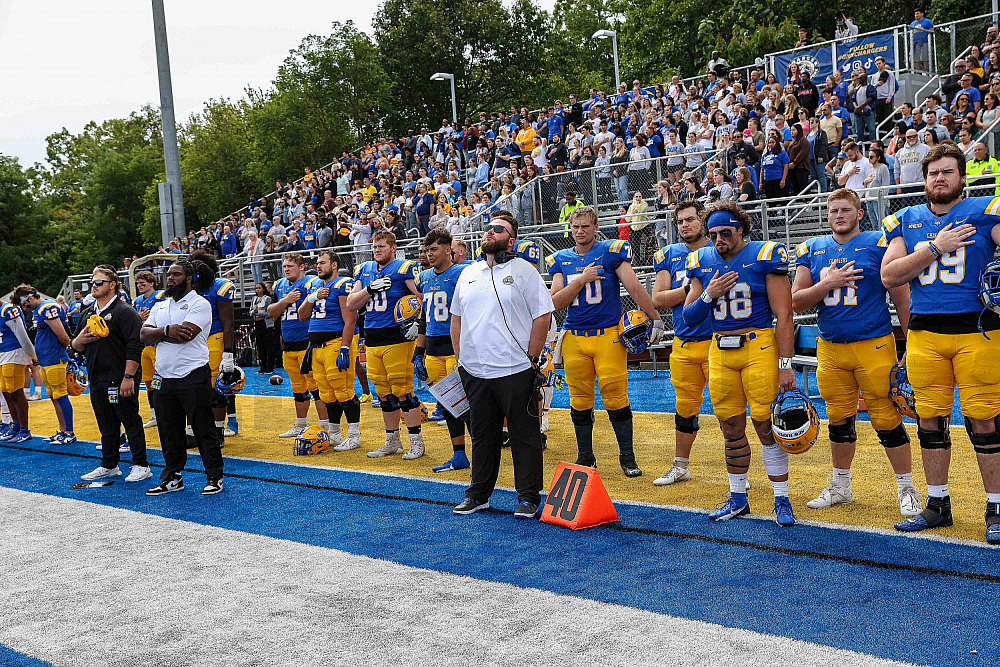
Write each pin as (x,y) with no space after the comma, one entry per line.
(672,476)
(228,433)
(151,423)
(909,502)
(352,441)
(101,473)
(293,432)
(416,447)
(336,439)
(138,474)
(830,496)
(392,446)
(545,423)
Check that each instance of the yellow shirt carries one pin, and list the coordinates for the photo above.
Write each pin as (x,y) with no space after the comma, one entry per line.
(526,139)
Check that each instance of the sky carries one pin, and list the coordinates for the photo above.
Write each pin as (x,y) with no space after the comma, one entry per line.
(64,63)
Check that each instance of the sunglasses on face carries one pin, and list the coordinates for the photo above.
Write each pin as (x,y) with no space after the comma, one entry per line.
(98,283)
(724,233)
(497,229)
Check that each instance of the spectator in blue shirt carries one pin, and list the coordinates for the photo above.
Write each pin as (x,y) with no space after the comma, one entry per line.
(228,242)
(922,28)
(774,167)
(555,125)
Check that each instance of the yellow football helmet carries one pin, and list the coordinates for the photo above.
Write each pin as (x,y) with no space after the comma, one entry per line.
(633,331)
(97,326)
(407,314)
(548,368)
(76,379)
(794,421)
(312,440)
(901,392)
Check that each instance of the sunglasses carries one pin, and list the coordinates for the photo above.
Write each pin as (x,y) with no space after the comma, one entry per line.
(724,233)
(98,283)
(497,229)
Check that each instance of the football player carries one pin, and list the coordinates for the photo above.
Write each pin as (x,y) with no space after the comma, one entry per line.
(433,356)
(689,355)
(856,349)
(333,338)
(290,292)
(525,249)
(940,249)
(587,280)
(149,296)
(51,341)
(743,287)
(16,353)
(380,284)
(220,343)
(459,253)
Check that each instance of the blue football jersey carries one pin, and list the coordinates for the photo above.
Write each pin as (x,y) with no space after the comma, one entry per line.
(154,298)
(437,290)
(292,330)
(526,250)
(849,314)
(745,306)
(220,290)
(951,284)
(48,349)
(8,341)
(599,303)
(380,308)
(673,258)
(326,316)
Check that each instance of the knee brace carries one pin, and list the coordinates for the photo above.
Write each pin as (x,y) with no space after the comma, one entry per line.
(731,458)
(845,432)
(315,394)
(938,438)
(686,424)
(409,402)
(985,443)
(581,417)
(301,398)
(896,437)
(390,403)
(619,415)
(775,460)
(351,410)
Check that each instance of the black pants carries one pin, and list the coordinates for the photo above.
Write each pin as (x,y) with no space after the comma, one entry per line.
(883,109)
(111,417)
(798,178)
(265,346)
(182,401)
(491,401)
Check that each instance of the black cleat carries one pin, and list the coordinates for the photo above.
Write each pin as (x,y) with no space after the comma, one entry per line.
(629,466)
(586,460)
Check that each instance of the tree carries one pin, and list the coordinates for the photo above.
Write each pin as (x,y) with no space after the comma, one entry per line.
(23,256)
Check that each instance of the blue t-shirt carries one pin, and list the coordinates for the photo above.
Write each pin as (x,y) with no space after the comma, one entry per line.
(154,298)
(919,36)
(292,330)
(599,303)
(673,258)
(773,165)
(437,290)
(48,349)
(845,119)
(951,284)
(380,309)
(220,290)
(8,341)
(746,305)
(849,314)
(555,125)
(309,240)
(326,316)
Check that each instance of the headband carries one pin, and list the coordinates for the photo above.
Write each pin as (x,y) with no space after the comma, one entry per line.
(722,219)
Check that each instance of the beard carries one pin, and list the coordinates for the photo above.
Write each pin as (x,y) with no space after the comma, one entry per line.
(175,292)
(493,247)
(943,197)
(321,276)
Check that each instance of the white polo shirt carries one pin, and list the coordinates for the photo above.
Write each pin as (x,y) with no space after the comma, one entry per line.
(177,360)
(486,348)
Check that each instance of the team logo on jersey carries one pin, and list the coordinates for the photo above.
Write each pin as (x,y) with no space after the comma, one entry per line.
(509,280)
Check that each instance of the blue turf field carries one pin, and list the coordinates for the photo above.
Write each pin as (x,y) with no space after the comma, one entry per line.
(11,658)
(849,586)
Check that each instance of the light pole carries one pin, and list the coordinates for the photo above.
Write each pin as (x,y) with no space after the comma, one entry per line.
(605,34)
(171,199)
(442,76)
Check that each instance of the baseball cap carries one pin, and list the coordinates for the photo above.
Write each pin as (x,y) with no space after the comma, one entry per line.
(747,133)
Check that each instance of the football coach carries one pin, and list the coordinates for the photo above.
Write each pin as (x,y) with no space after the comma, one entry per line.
(499,318)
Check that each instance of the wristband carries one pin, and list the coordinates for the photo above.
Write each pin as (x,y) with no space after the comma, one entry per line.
(418,352)
(166,331)
(934,249)
(312,297)
(784,363)
(706,297)
(129,376)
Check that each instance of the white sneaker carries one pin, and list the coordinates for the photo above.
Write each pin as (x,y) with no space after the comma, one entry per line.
(672,476)
(101,473)
(228,432)
(416,447)
(909,502)
(352,441)
(392,446)
(151,423)
(335,437)
(138,474)
(293,432)
(545,423)
(830,496)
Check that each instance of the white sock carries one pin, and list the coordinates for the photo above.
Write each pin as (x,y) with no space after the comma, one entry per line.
(905,480)
(152,413)
(301,422)
(354,429)
(680,462)
(780,488)
(993,497)
(737,483)
(842,477)
(937,490)
(324,423)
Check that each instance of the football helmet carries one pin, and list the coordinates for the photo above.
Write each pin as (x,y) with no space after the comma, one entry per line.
(547,367)
(230,383)
(633,331)
(794,421)
(901,393)
(97,326)
(76,379)
(407,314)
(312,440)
(989,291)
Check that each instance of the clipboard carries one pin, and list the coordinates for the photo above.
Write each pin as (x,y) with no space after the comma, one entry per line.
(450,394)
